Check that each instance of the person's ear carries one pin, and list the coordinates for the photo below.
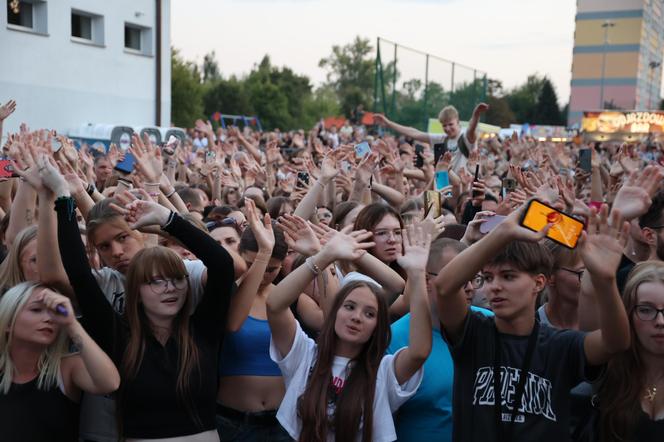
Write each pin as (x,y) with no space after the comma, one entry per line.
(540,283)
(649,236)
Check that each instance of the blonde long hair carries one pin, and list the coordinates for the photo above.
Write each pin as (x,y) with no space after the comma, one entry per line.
(11,303)
(10,269)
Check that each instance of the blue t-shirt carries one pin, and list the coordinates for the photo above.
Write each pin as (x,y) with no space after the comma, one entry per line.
(428,414)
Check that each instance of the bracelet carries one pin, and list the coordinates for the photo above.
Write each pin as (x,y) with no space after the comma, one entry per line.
(153,194)
(151,184)
(312,266)
(171,193)
(90,189)
(171,217)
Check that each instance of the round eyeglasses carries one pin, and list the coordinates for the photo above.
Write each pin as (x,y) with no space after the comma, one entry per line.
(160,285)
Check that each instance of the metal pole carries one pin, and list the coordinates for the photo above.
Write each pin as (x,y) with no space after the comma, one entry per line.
(426,93)
(606,25)
(394,83)
(375,106)
(452,85)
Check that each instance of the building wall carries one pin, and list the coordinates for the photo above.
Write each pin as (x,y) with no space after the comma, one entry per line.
(634,41)
(61,82)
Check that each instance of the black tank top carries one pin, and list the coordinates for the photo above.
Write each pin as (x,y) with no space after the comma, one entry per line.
(29,414)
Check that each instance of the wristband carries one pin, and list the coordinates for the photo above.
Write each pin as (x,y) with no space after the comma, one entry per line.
(170,194)
(90,189)
(312,266)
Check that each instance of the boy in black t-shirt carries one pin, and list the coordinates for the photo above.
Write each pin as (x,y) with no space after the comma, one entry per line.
(492,353)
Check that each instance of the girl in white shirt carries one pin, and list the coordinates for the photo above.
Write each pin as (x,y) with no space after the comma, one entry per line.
(337,384)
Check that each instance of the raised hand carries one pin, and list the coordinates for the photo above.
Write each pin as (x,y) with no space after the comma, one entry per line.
(634,197)
(328,169)
(511,228)
(480,109)
(7,109)
(141,213)
(380,120)
(299,235)
(415,249)
(347,244)
(473,233)
(51,177)
(602,245)
(148,162)
(262,231)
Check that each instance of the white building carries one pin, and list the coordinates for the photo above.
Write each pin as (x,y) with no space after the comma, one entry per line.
(72,62)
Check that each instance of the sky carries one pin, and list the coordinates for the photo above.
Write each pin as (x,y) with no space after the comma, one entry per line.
(507,39)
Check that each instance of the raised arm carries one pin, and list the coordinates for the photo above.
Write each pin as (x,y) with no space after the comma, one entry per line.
(414,261)
(471,132)
(244,298)
(307,206)
(99,318)
(601,250)
(404,130)
(6,110)
(342,245)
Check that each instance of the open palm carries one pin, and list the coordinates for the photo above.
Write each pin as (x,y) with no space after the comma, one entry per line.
(602,246)
(415,249)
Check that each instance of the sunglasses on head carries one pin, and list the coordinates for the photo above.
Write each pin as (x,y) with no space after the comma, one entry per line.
(211,225)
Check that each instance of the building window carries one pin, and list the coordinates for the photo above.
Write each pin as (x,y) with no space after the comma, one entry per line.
(81,26)
(87,27)
(27,15)
(138,39)
(132,38)
(21,18)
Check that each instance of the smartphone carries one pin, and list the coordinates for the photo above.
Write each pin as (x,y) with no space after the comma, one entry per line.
(363,149)
(126,165)
(419,159)
(585,160)
(491,223)
(7,169)
(345,166)
(56,145)
(171,145)
(432,203)
(442,179)
(565,230)
(439,150)
(303,177)
(210,157)
(509,184)
(476,193)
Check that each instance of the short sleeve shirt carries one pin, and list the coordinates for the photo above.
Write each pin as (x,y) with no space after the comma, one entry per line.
(297,365)
(558,364)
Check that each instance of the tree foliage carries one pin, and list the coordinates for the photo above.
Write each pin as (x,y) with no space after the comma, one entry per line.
(186,92)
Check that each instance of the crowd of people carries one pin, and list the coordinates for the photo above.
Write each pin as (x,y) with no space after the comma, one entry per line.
(245,285)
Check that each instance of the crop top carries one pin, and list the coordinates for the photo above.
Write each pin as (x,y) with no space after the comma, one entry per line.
(246,352)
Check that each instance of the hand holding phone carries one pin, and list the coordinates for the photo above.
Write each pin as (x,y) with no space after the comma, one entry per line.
(564,229)
(363,149)
(442,179)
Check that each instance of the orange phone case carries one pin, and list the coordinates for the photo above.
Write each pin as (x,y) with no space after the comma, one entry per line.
(564,230)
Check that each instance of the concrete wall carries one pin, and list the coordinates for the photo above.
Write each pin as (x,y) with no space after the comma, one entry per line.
(62,82)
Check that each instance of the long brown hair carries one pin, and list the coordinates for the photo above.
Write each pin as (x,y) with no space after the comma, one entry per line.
(143,266)
(350,410)
(622,387)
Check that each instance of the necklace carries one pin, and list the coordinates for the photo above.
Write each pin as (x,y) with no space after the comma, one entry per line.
(651,392)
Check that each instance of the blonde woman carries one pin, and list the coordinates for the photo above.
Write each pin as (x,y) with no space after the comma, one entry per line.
(20,264)
(40,382)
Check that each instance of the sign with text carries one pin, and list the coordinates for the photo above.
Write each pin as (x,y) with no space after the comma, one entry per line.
(635,122)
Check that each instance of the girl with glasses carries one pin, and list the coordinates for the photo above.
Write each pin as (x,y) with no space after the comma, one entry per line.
(165,346)
(631,397)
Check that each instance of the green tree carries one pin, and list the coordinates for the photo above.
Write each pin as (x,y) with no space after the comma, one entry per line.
(186,92)
(228,97)
(499,113)
(523,99)
(547,110)
(322,103)
(210,68)
(351,72)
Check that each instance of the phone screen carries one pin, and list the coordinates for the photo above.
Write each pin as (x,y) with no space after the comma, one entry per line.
(442,179)
(438,151)
(363,149)
(126,165)
(564,230)
(7,169)
(419,159)
(585,159)
(491,223)
(432,203)
(303,177)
